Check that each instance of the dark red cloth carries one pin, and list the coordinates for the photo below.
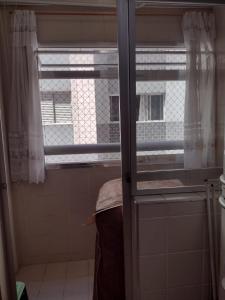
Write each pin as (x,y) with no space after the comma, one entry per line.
(109,256)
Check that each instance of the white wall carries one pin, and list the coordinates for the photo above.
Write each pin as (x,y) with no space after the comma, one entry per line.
(50,216)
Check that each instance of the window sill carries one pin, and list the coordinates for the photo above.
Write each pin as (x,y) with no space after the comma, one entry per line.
(152,161)
(140,122)
(78,165)
(151,121)
(56,124)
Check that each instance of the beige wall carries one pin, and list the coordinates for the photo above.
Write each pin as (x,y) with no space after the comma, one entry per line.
(50,216)
(86,30)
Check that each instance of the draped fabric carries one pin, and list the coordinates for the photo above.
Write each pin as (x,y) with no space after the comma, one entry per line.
(5,82)
(25,128)
(199,116)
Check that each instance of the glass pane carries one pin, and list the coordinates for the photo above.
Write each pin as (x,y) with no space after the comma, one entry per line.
(157,107)
(84,108)
(114,108)
(160,122)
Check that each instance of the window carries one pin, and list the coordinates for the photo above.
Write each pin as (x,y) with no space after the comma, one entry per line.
(56,107)
(114,108)
(149,108)
(80,103)
(157,107)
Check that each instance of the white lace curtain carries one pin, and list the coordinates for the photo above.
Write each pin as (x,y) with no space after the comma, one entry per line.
(199,116)
(24,123)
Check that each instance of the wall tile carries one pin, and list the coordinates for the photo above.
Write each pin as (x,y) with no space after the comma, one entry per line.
(186,208)
(152,236)
(184,269)
(154,296)
(185,293)
(33,273)
(33,289)
(77,288)
(53,214)
(82,242)
(206,268)
(152,210)
(56,271)
(206,293)
(153,272)
(77,269)
(185,233)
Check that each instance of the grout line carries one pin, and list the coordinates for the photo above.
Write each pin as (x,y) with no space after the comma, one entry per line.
(176,287)
(175,252)
(174,216)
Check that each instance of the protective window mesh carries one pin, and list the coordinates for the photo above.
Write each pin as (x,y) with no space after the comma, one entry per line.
(80,103)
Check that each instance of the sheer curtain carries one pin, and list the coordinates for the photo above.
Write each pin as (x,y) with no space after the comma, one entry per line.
(199,116)
(25,129)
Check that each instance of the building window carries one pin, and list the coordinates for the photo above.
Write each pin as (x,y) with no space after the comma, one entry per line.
(114,109)
(56,107)
(157,107)
(149,108)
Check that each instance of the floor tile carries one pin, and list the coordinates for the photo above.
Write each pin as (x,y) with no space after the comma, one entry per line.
(59,281)
(33,289)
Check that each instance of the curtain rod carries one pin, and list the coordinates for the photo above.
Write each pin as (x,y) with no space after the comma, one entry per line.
(105,13)
(57,13)
(157,12)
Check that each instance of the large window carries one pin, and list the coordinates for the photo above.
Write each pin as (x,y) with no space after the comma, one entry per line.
(80,102)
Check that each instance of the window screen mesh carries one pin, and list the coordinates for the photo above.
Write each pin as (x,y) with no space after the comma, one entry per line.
(85,110)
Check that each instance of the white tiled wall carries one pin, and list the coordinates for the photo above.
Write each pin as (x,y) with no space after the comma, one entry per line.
(50,217)
(173,248)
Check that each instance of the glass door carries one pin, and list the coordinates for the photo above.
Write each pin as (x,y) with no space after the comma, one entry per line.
(153,61)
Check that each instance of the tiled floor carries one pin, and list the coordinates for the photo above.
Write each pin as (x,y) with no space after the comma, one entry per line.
(59,281)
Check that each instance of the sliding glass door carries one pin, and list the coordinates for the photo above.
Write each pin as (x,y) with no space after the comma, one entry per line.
(154,61)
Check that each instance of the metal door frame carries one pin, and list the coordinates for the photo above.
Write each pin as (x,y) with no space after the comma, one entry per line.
(127,80)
